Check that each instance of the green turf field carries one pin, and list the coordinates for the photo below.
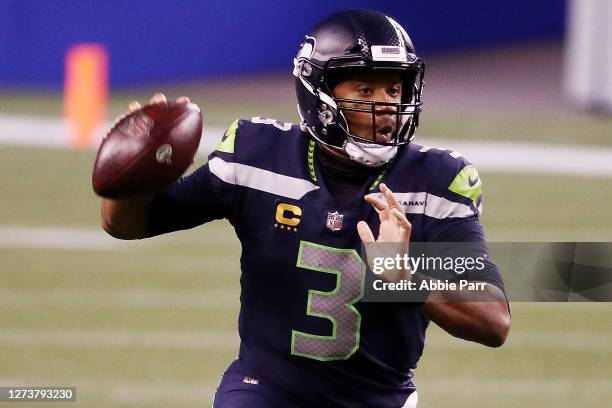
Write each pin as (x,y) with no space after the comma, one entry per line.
(153,323)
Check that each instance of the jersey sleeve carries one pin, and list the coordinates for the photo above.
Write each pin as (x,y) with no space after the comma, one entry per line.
(205,195)
(459,189)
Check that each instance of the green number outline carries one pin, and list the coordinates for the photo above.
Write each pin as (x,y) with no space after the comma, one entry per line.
(350,306)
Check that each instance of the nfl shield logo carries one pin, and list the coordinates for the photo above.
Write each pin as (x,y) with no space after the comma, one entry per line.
(334,220)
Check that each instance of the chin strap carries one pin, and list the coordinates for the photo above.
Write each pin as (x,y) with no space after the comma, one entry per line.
(369,154)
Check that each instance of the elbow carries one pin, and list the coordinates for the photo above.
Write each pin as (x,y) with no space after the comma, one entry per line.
(108,228)
(123,219)
(118,233)
(498,331)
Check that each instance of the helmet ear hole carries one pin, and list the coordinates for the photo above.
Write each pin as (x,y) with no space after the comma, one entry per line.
(306,69)
(326,116)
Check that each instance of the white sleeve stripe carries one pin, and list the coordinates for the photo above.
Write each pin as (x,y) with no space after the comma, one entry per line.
(259,179)
(440,207)
(430,205)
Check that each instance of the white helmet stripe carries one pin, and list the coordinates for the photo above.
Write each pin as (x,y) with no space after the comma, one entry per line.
(307,85)
(325,98)
(400,32)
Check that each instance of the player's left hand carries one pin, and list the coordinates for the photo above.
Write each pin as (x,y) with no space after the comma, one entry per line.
(394,226)
(393,234)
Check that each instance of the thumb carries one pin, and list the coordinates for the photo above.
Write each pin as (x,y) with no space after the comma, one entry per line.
(365,233)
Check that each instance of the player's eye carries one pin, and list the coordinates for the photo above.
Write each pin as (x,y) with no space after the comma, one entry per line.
(395,91)
(364,91)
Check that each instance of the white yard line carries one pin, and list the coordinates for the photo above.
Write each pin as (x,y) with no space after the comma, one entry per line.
(226,340)
(532,339)
(21,130)
(493,156)
(57,238)
(540,158)
(112,298)
(536,387)
(217,340)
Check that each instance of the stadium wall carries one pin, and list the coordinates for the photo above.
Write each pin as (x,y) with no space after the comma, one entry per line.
(157,40)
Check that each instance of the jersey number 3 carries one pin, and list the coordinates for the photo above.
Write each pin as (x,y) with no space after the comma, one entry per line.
(336,306)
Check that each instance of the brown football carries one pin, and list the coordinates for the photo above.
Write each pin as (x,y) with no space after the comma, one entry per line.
(147,149)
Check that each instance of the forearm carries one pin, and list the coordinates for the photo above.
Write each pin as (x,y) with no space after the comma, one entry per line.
(126,218)
(485,321)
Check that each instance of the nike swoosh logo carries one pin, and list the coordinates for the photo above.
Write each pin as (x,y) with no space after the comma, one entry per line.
(472,183)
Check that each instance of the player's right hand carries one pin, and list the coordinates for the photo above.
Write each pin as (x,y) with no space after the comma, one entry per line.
(147,148)
(155,99)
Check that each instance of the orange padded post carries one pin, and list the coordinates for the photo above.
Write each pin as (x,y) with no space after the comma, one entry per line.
(85,91)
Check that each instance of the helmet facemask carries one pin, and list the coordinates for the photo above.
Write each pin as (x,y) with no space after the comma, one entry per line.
(405,114)
(358,41)
(392,123)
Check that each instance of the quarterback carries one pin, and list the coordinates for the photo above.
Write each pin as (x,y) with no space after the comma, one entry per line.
(303,199)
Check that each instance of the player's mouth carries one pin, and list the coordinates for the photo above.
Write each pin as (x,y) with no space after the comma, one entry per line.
(384,133)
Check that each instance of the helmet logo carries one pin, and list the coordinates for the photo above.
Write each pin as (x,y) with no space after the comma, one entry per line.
(300,67)
(308,47)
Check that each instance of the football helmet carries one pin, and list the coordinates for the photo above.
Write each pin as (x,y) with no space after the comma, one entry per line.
(355,41)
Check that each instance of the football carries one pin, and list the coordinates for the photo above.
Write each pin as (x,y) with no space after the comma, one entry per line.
(147,149)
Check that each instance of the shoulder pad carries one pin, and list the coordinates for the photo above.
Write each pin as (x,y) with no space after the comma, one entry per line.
(228,141)
(453,175)
(247,129)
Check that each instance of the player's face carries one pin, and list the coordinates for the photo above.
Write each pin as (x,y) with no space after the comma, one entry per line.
(371,87)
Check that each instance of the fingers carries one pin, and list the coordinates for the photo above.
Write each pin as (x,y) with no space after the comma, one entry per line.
(365,233)
(389,196)
(155,99)
(376,202)
(380,204)
(134,106)
(158,98)
(401,218)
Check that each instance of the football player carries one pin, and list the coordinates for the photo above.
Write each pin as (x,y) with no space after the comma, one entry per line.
(302,200)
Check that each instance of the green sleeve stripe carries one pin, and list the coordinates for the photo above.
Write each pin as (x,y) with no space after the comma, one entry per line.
(467,183)
(229,139)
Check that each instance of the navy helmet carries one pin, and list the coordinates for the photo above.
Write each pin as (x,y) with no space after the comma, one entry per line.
(349,41)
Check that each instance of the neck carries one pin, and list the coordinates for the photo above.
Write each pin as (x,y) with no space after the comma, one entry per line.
(338,165)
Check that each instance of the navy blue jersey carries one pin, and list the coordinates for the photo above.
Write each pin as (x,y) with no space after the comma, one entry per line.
(302,326)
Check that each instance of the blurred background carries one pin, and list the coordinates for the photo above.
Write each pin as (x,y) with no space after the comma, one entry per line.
(521,88)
